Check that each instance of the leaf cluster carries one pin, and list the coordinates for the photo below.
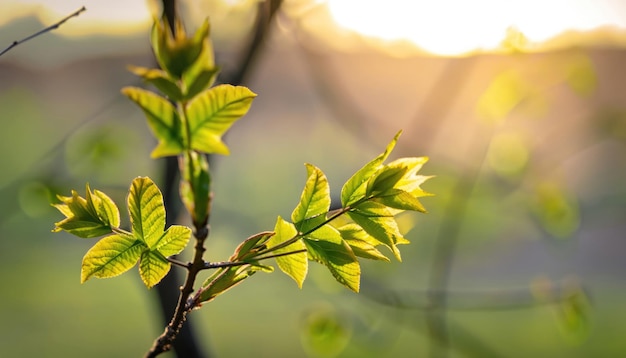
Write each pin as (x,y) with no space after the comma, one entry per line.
(147,242)
(188,119)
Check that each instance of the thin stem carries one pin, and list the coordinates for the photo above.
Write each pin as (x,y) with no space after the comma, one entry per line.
(41,32)
(223,264)
(300,235)
(176,262)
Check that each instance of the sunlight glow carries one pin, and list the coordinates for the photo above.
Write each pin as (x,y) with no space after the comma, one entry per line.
(450,27)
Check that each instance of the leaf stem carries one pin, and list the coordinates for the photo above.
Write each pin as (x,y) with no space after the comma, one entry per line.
(173,261)
(300,235)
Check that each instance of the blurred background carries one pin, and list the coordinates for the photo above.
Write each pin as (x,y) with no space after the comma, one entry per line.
(520,105)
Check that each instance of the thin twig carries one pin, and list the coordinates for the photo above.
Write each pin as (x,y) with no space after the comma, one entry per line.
(176,262)
(223,264)
(41,32)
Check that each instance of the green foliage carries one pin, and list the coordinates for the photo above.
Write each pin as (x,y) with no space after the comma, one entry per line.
(189,120)
(92,216)
(117,253)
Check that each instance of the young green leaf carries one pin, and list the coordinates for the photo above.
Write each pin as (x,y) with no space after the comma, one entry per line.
(87,217)
(160,79)
(221,281)
(162,119)
(177,53)
(153,267)
(147,214)
(338,258)
(411,182)
(200,81)
(195,185)
(362,244)
(354,189)
(212,112)
(314,201)
(400,200)
(251,246)
(384,179)
(111,256)
(294,265)
(379,223)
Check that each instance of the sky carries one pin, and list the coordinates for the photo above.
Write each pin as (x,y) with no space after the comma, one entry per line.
(440,27)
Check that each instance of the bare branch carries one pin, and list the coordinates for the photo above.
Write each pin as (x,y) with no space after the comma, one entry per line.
(41,32)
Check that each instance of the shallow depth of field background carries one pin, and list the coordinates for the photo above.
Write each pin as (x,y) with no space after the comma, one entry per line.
(527,144)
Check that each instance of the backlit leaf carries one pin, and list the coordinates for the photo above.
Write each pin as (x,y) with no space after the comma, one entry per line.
(354,189)
(111,256)
(251,245)
(87,217)
(153,267)
(338,258)
(212,112)
(400,199)
(160,79)
(314,201)
(162,119)
(362,244)
(294,265)
(147,213)
(173,240)
(195,185)
(378,222)
(384,179)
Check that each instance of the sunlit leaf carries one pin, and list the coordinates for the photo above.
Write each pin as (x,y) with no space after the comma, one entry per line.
(195,185)
(354,189)
(212,112)
(153,267)
(251,245)
(294,265)
(201,81)
(384,179)
(378,222)
(162,119)
(400,199)
(177,53)
(314,201)
(173,240)
(331,251)
(160,79)
(111,256)
(105,208)
(87,217)
(362,244)
(222,280)
(147,213)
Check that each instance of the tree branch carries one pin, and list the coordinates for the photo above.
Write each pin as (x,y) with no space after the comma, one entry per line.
(41,32)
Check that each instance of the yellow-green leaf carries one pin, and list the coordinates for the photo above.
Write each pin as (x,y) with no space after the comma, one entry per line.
(314,201)
(338,258)
(362,244)
(294,265)
(111,256)
(354,189)
(162,119)
(212,112)
(173,240)
(153,267)
(147,213)
(87,217)
(160,79)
